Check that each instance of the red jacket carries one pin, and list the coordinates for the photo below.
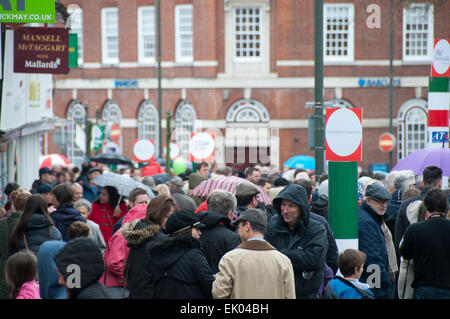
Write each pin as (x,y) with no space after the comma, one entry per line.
(116,252)
(203,207)
(104,217)
(152,169)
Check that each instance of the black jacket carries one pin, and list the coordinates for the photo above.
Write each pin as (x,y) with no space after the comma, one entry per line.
(84,253)
(180,270)
(63,217)
(218,237)
(402,221)
(140,237)
(332,251)
(320,207)
(306,245)
(427,243)
(37,231)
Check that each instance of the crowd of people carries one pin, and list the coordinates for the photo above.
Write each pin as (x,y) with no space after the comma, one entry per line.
(68,238)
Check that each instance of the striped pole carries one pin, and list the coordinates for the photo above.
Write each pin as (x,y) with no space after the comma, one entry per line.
(343,203)
(438,112)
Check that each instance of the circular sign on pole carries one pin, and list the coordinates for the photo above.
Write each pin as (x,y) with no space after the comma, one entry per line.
(440,64)
(386,142)
(343,134)
(201,146)
(143,150)
(115,132)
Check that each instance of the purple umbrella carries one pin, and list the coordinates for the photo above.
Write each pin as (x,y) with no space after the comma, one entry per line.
(419,160)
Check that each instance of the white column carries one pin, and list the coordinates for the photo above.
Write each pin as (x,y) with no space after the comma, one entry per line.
(28,153)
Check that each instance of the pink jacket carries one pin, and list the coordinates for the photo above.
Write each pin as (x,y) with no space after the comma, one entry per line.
(29,290)
(116,252)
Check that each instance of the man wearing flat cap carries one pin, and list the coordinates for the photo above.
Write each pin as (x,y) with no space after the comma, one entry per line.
(246,196)
(375,240)
(255,269)
(176,191)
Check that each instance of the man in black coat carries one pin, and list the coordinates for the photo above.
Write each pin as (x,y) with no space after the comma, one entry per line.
(300,238)
(432,177)
(218,236)
(427,243)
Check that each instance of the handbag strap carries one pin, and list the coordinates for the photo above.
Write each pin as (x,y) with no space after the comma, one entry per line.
(348,283)
(25,241)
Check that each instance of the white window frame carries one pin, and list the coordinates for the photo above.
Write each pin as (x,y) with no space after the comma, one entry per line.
(142,33)
(184,128)
(248,110)
(351,33)
(76,115)
(146,121)
(179,58)
(260,33)
(105,58)
(76,26)
(430,37)
(409,106)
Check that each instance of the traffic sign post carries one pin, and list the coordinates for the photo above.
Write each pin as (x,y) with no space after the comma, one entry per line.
(343,142)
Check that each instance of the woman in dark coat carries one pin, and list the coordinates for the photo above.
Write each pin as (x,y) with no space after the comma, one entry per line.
(65,214)
(34,227)
(141,235)
(299,237)
(179,268)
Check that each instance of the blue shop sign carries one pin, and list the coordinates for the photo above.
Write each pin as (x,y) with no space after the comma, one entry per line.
(126,84)
(377,82)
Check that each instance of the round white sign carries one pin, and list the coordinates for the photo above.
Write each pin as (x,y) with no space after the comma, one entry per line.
(144,150)
(201,145)
(441,56)
(343,132)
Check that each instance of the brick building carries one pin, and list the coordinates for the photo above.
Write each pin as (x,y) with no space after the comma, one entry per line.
(246,68)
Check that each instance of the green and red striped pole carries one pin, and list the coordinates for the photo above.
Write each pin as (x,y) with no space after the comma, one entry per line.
(438,112)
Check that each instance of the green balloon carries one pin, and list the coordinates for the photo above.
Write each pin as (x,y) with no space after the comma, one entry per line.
(179,166)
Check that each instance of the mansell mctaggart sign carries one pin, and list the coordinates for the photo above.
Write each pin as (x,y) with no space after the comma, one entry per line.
(41,50)
(27,11)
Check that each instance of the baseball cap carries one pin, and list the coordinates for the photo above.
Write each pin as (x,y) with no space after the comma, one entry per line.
(176,180)
(181,220)
(254,216)
(377,191)
(44,188)
(246,189)
(45,170)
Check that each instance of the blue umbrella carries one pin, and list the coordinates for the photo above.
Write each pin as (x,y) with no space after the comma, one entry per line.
(301,161)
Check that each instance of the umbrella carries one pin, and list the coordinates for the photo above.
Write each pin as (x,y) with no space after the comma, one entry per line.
(301,161)
(227,183)
(123,184)
(161,178)
(110,158)
(53,159)
(419,160)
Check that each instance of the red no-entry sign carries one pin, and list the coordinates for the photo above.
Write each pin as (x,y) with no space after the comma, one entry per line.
(386,142)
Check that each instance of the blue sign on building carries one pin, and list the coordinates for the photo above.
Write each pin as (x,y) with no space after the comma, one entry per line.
(126,84)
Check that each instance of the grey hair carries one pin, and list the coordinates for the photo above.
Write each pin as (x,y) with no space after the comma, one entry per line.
(222,202)
(390,179)
(404,179)
(149,181)
(76,185)
(85,203)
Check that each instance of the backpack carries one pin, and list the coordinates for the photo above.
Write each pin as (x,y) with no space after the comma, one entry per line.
(328,293)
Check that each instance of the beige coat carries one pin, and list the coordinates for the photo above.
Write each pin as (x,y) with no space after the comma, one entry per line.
(254,270)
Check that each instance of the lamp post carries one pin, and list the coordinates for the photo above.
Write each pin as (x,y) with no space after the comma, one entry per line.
(391,71)
(319,131)
(158,13)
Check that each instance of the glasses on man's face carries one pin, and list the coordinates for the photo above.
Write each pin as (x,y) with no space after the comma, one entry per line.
(380,201)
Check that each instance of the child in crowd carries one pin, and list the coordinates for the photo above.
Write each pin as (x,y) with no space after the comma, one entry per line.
(351,265)
(21,274)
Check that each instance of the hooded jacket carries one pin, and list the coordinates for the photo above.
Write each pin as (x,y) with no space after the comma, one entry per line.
(180,270)
(372,242)
(140,237)
(217,238)
(83,252)
(63,217)
(116,251)
(306,245)
(48,275)
(37,232)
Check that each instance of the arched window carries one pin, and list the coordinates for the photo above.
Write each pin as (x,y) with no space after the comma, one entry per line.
(247,111)
(148,123)
(412,127)
(111,114)
(185,124)
(75,116)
